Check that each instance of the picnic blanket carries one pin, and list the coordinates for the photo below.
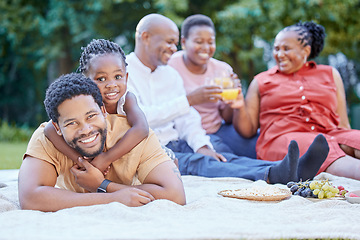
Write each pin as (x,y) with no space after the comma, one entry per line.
(206,215)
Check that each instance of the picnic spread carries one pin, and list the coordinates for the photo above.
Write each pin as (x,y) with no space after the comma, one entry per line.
(207,215)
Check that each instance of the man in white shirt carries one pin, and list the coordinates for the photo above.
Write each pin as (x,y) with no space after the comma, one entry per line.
(161,95)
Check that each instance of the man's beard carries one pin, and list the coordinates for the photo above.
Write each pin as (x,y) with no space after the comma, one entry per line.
(102,133)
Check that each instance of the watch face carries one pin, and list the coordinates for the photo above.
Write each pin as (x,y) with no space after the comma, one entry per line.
(103,186)
(101,190)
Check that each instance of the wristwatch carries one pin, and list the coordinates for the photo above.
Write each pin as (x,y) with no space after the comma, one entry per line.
(103,186)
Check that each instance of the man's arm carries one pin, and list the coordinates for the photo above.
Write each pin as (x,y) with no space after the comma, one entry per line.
(190,129)
(37,179)
(163,181)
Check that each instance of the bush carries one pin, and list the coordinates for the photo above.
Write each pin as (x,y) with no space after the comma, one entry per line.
(12,133)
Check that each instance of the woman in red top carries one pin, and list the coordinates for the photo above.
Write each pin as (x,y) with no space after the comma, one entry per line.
(298,99)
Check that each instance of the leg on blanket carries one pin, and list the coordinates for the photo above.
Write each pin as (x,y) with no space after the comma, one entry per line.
(291,168)
(287,169)
(311,161)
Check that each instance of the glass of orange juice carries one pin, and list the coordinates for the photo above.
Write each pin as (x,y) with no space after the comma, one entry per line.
(230,93)
(229,86)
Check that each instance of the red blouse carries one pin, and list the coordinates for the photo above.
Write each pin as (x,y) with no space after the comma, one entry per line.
(294,105)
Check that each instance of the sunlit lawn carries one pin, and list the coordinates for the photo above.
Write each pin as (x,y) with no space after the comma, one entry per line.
(11,154)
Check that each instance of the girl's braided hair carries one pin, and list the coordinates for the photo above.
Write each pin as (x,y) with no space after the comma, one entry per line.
(311,34)
(96,48)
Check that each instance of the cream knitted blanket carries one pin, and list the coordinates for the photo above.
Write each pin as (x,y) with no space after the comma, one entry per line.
(205,216)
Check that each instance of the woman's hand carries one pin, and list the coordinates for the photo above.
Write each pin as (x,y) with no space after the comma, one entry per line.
(204,94)
(237,103)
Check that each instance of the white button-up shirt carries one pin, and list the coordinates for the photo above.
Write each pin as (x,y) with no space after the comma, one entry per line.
(162,97)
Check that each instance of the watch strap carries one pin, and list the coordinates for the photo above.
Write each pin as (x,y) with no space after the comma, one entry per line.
(103,186)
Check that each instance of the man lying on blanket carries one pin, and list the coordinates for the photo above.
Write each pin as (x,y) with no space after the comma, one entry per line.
(74,104)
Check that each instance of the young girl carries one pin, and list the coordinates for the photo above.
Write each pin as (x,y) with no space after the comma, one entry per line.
(103,61)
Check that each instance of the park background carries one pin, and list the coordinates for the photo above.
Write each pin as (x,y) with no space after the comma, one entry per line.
(42,39)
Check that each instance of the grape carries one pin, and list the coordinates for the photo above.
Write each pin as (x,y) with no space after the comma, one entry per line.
(312,185)
(294,188)
(343,192)
(313,195)
(290,184)
(325,187)
(297,192)
(334,190)
(329,194)
(307,192)
(316,189)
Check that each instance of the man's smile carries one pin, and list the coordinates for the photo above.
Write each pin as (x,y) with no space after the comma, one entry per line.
(89,139)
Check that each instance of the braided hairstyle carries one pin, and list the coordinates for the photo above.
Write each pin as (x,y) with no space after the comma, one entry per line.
(98,47)
(66,87)
(195,20)
(311,34)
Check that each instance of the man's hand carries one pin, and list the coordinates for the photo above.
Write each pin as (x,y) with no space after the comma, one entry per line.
(89,178)
(208,151)
(204,94)
(132,197)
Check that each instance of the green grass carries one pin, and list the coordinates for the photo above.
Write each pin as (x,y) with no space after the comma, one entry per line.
(11,154)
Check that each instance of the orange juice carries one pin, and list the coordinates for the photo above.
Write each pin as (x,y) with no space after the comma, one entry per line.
(230,94)
(224,82)
(227,82)
(217,81)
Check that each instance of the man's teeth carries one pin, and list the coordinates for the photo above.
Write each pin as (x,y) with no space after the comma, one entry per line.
(204,55)
(89,139)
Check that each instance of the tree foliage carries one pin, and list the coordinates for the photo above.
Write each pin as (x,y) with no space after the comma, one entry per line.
(41,40)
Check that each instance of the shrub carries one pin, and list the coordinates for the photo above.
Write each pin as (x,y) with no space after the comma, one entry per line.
(12,133)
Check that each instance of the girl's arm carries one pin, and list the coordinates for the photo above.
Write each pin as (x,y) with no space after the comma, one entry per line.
(139,126)
(60,144)
(341,100)
(139,130)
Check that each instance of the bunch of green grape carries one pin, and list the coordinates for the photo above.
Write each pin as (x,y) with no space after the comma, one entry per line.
(317,189)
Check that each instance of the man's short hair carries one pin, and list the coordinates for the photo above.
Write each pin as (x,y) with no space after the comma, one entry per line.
(66,87)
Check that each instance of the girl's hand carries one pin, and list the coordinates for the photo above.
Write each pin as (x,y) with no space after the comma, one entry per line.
(101,163)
